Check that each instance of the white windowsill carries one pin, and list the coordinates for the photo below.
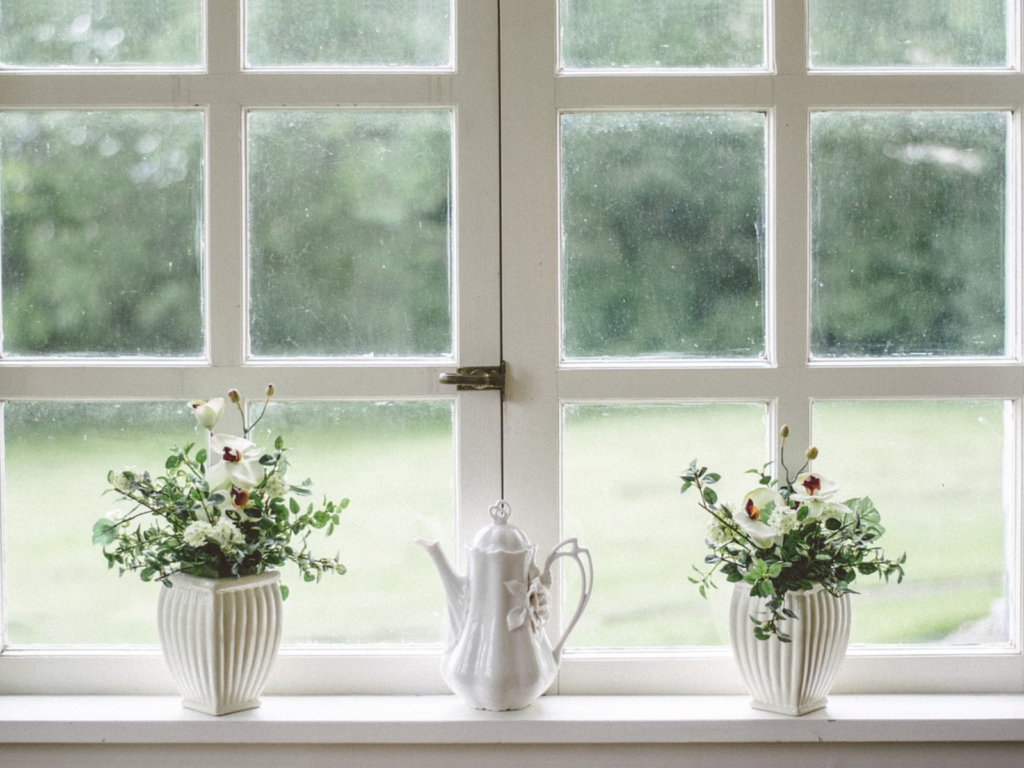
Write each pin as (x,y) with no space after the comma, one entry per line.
(403,720)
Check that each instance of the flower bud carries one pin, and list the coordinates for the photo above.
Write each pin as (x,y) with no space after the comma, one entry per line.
(784,432)
(812,453)
(234,397)
(270,390)
(208,413)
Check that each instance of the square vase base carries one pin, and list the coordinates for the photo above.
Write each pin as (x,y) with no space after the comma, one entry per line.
(213,708)
(780,709)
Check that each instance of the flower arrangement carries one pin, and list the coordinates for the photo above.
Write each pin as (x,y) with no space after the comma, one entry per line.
(789,533)
(224,511)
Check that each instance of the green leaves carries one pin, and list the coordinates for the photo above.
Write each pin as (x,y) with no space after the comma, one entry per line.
(178,524)
(104,532)
(830,550)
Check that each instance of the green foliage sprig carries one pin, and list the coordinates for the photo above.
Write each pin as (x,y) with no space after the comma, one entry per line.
(789,534)
(226,511)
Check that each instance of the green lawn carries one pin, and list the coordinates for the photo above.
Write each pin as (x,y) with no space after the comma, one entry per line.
(934,471)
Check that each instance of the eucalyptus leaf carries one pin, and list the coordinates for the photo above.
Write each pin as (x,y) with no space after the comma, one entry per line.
(104,532)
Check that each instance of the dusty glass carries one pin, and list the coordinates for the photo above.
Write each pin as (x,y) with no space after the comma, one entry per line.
(909,244)
(663,235)
(925,34)
(620,497)
(57,587)
(102,242)
(328,33)
(395,461)
(102,33)
(937,471)
(698,34)
(350,236)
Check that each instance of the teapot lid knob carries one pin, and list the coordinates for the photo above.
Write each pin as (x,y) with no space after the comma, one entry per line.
(500,512)
(500,536)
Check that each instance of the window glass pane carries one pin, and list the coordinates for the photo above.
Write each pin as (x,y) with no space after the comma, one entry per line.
(394,460)
(908,233)
(620,497)
(101,33)
(102,232)
(936,470)
(57,587)
(662,33)
(909,33)
(663,235)
(350,233)
(327,33)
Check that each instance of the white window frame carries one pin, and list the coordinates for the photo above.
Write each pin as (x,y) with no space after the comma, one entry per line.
(532,95)
(225,90)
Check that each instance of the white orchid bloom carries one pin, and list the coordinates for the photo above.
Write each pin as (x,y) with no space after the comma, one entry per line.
(816,493)
(239,465)
(232,498)
(761,502)
(208,413)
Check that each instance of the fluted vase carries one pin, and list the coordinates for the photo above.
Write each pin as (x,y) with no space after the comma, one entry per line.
(220,638)
(791,678)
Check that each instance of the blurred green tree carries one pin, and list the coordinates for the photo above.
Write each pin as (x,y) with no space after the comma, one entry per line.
(102,225)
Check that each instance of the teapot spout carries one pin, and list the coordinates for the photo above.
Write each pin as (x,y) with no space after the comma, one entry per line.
(454,585)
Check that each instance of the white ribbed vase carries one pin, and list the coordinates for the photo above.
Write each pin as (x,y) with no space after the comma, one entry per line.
(220,638)
(791,678)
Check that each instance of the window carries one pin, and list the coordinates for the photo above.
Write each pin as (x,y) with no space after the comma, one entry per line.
(681,224)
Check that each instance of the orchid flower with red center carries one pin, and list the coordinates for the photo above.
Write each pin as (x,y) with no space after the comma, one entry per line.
(239,465)
(761,502)
(816,493)
(239,498)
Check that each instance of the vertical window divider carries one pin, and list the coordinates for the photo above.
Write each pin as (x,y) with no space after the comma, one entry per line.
(227,283)
(1013,503)
(3,528)
(1014,240)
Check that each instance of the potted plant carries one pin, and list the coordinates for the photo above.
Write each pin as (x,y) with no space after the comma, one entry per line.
(793,552)
(214,528)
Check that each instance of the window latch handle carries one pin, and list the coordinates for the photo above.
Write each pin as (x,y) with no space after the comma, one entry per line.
(477,378)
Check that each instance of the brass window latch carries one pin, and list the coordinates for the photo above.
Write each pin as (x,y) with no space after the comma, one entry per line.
(477,377)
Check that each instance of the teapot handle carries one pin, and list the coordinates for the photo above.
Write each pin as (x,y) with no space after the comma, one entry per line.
(575,551)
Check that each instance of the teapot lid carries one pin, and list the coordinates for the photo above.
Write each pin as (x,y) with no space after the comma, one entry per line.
(500,536)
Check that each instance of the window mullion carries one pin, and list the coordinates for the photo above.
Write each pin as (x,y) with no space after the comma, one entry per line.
(789,264)
(227,282)
(223,37)
(530,282)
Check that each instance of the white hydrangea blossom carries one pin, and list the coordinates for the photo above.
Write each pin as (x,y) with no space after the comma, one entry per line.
(717,533)
(121,481)
(784,521)
(276,487)
(197,533)
(226,535)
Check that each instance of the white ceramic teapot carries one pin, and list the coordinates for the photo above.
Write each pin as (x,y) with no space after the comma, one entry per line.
(498,655)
